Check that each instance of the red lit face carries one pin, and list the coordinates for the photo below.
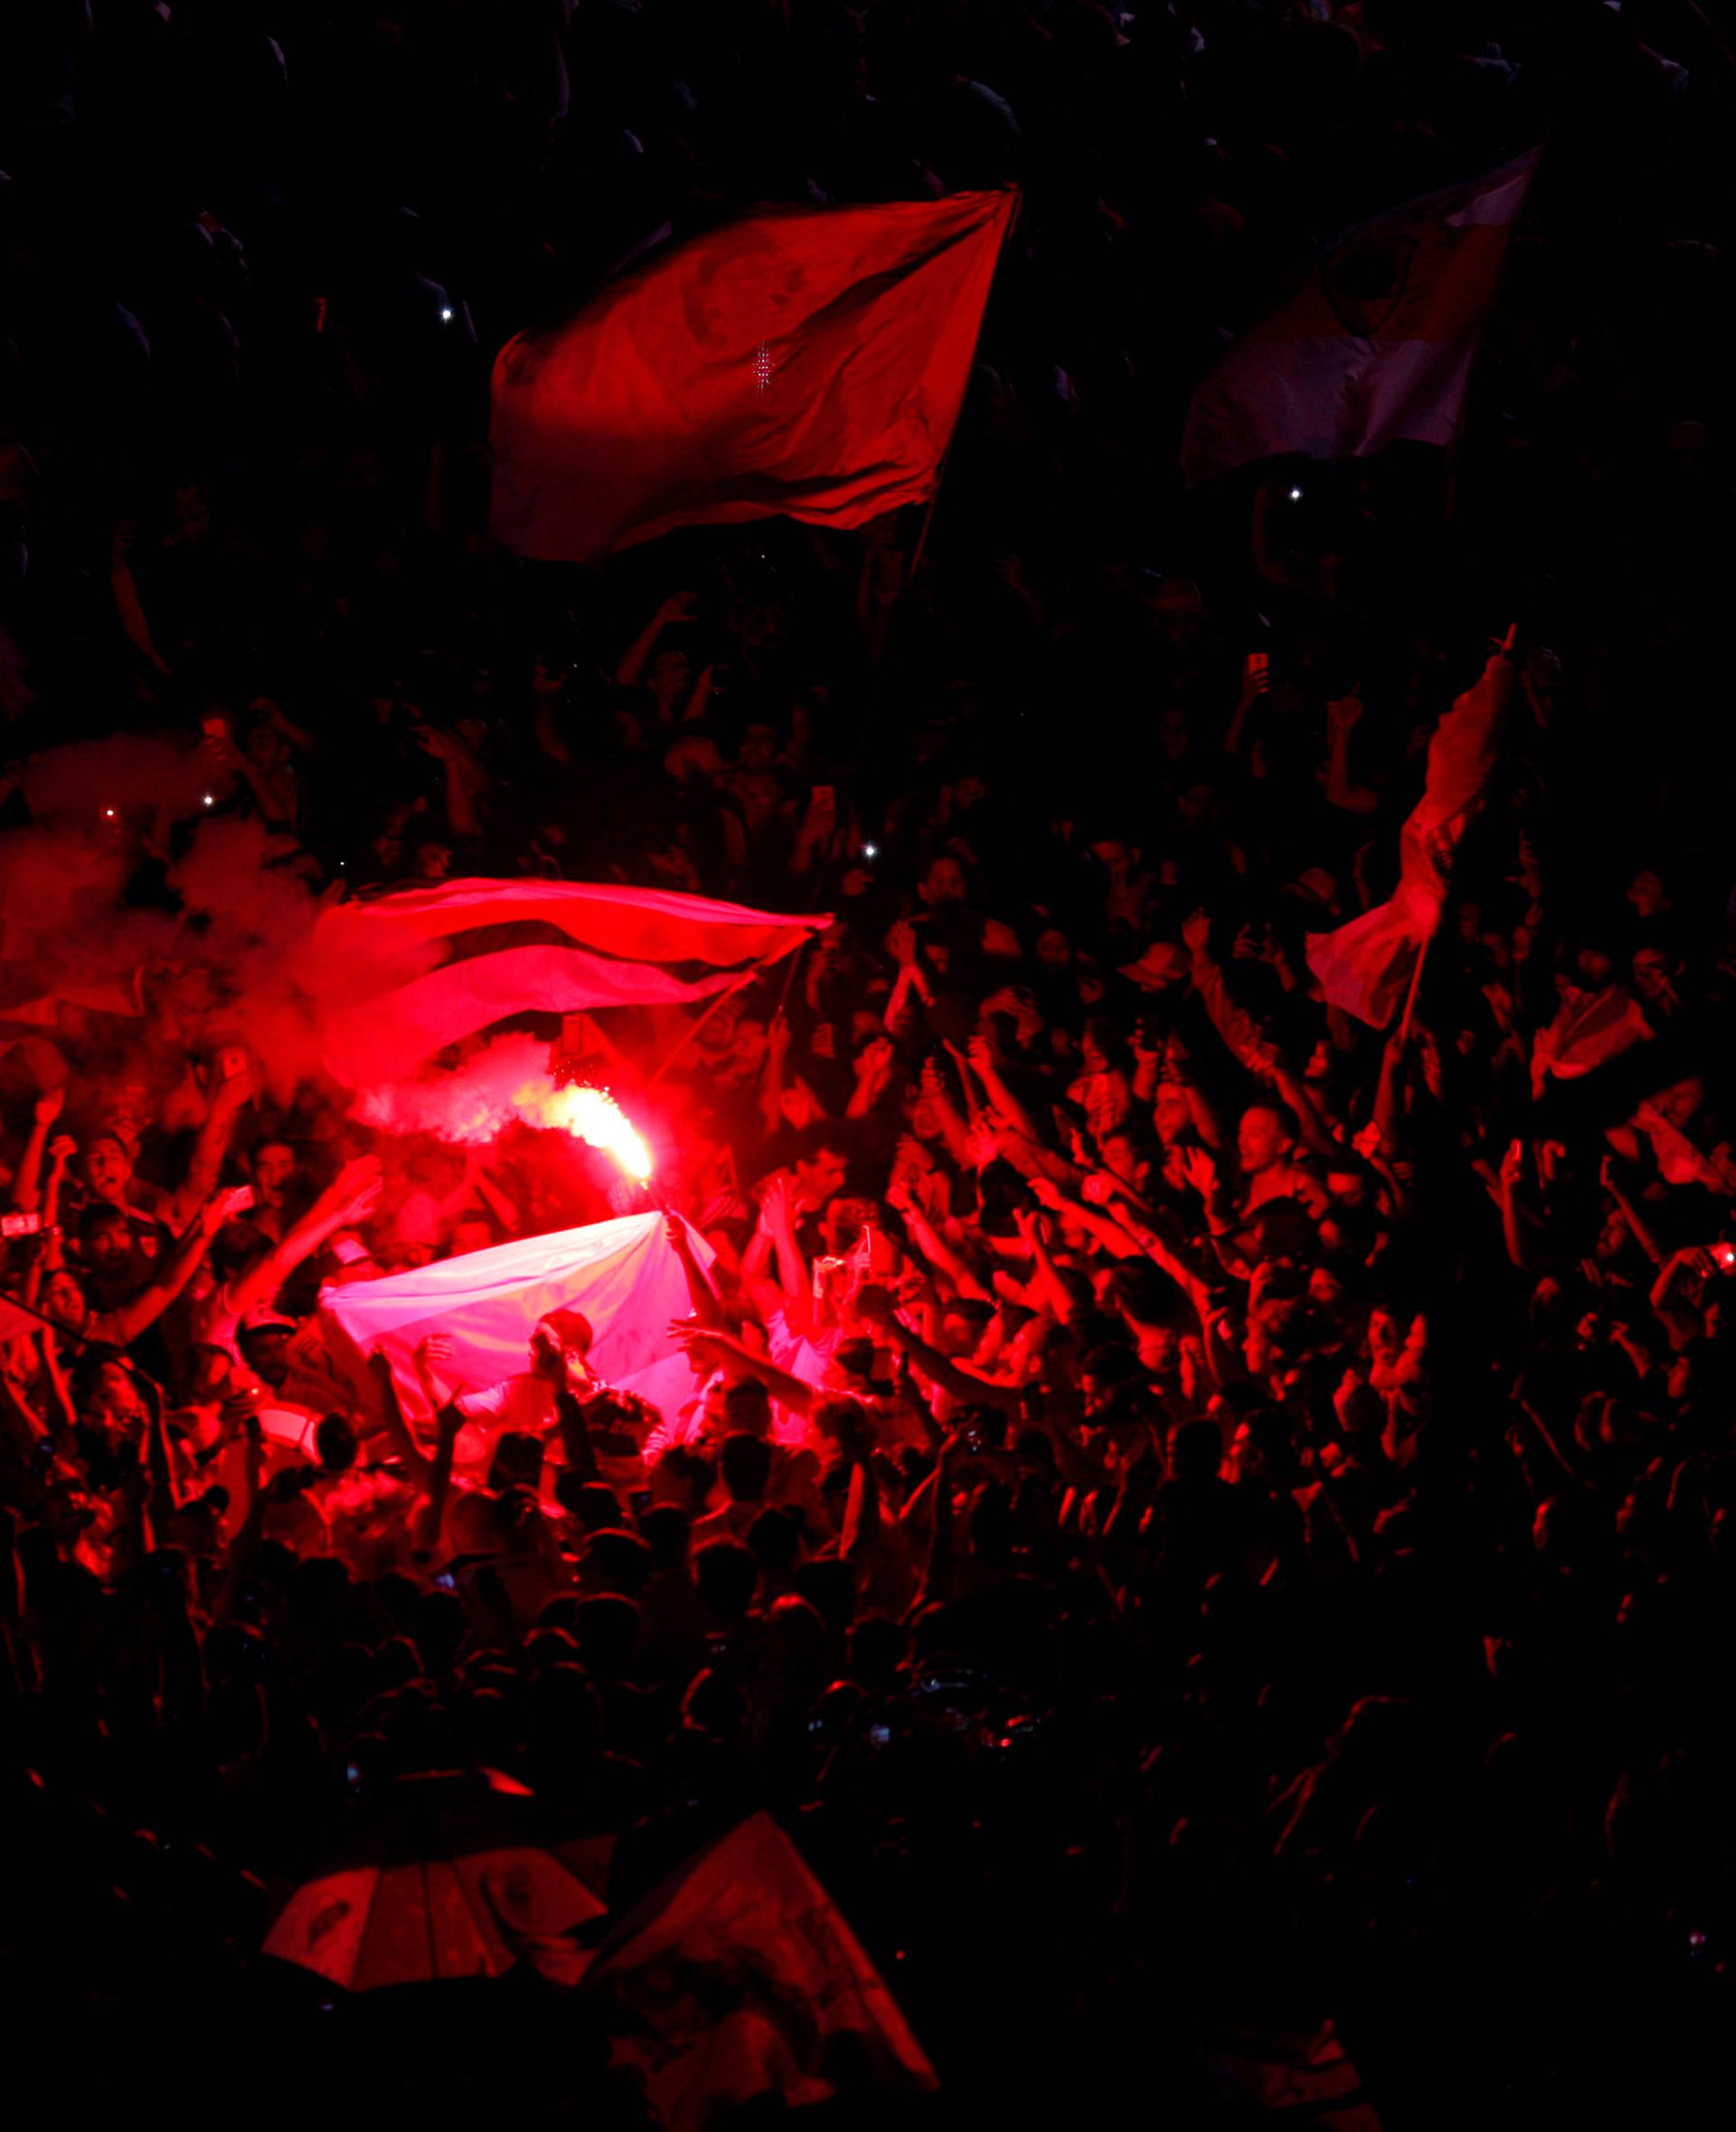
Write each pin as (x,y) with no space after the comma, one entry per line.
(273,1166)
(1170,1112)
(944,882)
(106,1169)
(819,1179)
(63,1301)
(1260,1142)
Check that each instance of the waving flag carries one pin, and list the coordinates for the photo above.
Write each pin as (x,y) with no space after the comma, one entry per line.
(809,362)
(1377,344)
(394,979)
(1365,966)
(739,1978)
(1589,1028)
(622,1276)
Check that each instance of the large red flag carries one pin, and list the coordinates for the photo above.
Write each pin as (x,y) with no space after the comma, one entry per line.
(1365,966)
(394,979)
(803,361)
(1378,343)
(739,1978)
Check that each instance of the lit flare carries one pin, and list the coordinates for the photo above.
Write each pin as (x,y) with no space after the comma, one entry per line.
(593,1115)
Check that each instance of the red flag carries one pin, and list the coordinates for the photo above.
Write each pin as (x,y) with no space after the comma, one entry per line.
(803,361)
(1589,1028)
(396,979)
(1365,966)
(1305,2076)
(1377,344)
(736,1977)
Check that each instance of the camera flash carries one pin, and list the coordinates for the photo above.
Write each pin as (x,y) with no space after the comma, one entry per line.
(446,314)
(871,851)
(1296,495)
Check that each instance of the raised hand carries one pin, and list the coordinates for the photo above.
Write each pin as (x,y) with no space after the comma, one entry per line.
(1200,1171)
(775,1200)
(1196,931)
(1343,715)
(707,1351)
(356,1190)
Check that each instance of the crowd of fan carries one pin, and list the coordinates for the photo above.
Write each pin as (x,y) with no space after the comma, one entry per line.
(1201,1516)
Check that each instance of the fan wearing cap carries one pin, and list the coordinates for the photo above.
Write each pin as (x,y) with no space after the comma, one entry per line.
(561,1343)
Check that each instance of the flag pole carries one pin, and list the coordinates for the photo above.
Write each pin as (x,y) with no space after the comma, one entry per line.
(928,516)
(1410,996)
(694,1028)
(1505,649)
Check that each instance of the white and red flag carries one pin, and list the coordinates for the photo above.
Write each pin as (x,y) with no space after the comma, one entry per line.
(396,979)
(1376,344)
(1365,966)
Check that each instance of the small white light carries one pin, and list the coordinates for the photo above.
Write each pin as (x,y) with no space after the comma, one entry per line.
(871,851)
(446,314)
(1296,495)
(208,800)
(108,814)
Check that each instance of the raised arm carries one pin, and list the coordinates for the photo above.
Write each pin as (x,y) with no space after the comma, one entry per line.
(777,1219)
(1005,1103)
(415,1459)
(699,1291)
(933,1248)
(954,1130)
(131,1319)
(350,1198)
(1642,1235)
(875,1304)
(631,664)
(211,1149)
(26,1185)
(1341,791)
(714,1348)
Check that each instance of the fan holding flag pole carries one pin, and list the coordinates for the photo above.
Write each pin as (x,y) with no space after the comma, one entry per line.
(1366,966)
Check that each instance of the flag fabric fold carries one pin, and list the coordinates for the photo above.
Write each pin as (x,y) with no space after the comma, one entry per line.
(623,1276)
(1589,1028)
(804,362)
(1364,967)
(1376,346)
(394,979)
(738,1977)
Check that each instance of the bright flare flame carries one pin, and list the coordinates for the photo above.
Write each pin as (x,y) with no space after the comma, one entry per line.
(593,1115)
